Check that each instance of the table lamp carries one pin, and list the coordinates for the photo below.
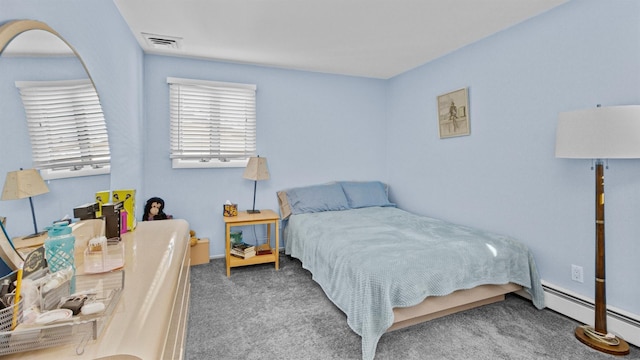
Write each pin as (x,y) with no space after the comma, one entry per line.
(25,184)
(599,134)
(256,170)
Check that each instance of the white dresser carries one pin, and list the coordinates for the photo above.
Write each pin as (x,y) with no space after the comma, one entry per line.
(150,319)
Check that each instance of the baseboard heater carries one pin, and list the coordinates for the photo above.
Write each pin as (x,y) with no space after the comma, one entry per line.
(581,309)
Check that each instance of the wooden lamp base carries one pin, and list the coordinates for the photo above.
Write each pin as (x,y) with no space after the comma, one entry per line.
(620,349)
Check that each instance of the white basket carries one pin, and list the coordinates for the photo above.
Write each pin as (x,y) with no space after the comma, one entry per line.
(78,329)
(11,316)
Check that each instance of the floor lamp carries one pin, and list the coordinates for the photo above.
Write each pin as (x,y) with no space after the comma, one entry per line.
(599,134)
(25,184)
(256,170)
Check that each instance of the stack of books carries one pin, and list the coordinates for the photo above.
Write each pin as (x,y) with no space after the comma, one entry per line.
(243,250)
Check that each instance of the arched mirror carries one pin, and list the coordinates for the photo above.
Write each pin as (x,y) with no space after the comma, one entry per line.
(30,52)
(39,67)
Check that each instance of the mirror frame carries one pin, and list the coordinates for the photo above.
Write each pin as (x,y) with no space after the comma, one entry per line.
(10,30)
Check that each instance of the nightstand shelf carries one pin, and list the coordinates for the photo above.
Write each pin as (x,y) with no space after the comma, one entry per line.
(267,217)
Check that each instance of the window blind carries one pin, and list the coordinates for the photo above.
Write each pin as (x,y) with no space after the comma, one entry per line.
(66,125)
(212,122)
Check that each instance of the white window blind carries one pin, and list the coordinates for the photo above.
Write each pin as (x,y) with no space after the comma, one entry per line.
(66,127)
(213,124)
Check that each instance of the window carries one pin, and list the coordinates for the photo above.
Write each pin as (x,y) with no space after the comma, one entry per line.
(66,127)
(213,124)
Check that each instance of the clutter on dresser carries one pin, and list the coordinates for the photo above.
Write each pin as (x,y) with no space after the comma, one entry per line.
(112,213)
(86,211)
(59,249)
(46,303)
(102,255)
(125,210)
(49,314)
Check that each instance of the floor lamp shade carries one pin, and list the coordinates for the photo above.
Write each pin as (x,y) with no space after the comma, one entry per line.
(256,170)
(600,133)
(24,184)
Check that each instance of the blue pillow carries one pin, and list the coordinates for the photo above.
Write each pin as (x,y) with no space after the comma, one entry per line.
(316,198)
(365,193)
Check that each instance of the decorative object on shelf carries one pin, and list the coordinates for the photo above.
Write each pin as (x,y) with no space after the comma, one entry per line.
(256,170)
(599,134)
(193,239)
(236,237)
(229,209)
(25,184)
(453,114)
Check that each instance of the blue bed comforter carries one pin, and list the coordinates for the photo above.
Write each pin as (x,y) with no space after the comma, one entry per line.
(373,259)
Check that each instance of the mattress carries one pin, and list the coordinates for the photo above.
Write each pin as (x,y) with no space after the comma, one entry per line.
(370,260)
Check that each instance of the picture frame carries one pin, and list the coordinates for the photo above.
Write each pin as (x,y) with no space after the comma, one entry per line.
(453,114)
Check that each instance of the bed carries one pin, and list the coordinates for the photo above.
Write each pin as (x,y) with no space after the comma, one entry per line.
(386,268)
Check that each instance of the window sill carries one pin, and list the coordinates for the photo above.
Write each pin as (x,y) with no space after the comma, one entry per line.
(63,174)
(195,164)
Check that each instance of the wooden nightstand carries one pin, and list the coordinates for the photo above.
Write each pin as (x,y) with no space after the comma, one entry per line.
(267,217)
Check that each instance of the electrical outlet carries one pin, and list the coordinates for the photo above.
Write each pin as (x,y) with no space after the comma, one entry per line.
(577,273)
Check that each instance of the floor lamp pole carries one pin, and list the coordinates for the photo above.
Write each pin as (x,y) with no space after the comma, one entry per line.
(600,340)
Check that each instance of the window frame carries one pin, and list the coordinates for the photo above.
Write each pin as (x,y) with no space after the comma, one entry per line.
(177,151)
(87,114)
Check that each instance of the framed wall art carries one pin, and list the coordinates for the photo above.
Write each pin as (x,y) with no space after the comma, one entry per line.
(453,114)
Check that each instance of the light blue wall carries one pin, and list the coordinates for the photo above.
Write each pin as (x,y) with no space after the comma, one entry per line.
(315,128)
(311,127)
(99,34)
(504,176)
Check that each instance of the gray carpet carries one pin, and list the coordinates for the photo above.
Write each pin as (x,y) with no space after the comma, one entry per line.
(260,313)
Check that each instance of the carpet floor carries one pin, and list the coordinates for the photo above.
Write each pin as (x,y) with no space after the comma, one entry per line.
(260,313)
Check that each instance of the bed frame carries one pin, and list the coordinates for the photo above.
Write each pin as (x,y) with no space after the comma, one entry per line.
(437,306)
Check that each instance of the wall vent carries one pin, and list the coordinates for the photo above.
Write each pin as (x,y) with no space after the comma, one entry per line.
(162,41)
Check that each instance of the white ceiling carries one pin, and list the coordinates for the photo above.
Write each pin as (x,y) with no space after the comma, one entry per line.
(370,38)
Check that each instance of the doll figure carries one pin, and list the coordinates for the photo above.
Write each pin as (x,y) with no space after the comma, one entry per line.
(153,210)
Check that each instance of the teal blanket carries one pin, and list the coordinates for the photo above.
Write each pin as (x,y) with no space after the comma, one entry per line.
(370,260)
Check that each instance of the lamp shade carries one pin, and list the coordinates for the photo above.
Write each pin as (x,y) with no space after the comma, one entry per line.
(23,184)
(256,169)
(599,133)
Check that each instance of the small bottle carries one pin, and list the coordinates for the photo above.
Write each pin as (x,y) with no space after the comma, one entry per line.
(57,279)
(4,290)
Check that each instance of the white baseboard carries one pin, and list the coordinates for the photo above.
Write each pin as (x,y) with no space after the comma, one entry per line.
(580,308)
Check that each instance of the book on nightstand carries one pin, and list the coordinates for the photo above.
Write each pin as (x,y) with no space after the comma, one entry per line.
(264,252)
(243,250)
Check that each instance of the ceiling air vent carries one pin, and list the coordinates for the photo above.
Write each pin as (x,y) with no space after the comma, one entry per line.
(162,41)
